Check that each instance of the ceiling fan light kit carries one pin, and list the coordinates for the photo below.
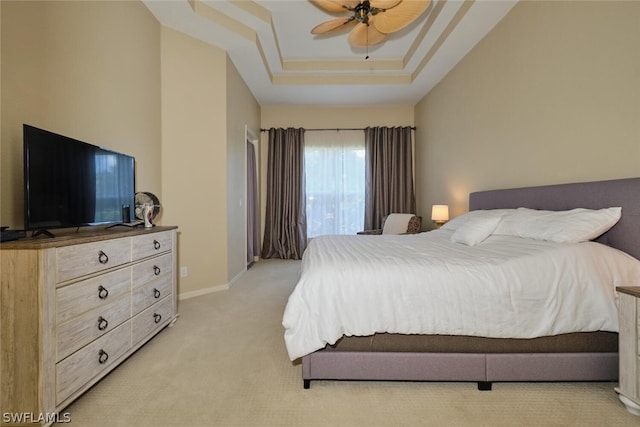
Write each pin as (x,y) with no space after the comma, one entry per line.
(373,19)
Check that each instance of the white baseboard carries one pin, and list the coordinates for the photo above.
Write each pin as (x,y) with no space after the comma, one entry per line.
(237,277)
(200,292)
(212,289)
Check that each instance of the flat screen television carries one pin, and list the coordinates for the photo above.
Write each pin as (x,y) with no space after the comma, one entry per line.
(70,183)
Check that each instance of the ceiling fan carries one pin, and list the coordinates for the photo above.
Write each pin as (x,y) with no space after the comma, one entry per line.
(372,20)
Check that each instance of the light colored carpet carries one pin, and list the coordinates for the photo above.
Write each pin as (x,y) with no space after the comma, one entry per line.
(224,364)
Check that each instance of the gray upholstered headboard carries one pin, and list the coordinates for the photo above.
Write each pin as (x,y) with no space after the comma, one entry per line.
(625,235)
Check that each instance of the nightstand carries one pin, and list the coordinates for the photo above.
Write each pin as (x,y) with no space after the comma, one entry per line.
(629,347)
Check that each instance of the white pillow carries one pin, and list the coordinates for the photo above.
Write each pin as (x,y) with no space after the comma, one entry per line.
(461,220)
(476,230)
(396,223)
(571,226)
(512,221)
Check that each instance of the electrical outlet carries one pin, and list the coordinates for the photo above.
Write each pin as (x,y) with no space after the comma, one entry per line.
(183,272)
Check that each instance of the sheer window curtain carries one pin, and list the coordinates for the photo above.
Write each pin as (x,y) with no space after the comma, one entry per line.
(335,178)
(285,218)
(389,173)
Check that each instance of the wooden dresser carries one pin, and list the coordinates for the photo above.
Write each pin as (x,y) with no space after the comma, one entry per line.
(74,307)
(629,348)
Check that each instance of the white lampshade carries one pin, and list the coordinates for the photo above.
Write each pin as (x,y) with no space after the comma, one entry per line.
(440,213)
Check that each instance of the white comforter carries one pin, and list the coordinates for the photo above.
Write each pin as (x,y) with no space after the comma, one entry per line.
(507,287)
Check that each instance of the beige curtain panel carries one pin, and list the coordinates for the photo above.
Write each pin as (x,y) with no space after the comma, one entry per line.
(389,174)
(285,233)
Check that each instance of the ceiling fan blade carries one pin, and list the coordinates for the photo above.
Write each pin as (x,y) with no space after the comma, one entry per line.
(332,6)
(331,25)
(384,4)
(365,35)
(397,18)
(351,4)
(335,6)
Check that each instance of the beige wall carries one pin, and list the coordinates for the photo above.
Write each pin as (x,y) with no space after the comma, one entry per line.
(551,95)
(243,112)
(65,69)
(194,153)
(107,73)
(336,116)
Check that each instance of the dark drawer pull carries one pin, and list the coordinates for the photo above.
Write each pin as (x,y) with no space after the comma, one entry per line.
(156,270)
(103,292)
(102,323)
(156,245)
(156,293)
(103,356)
(157,317)
(103,258)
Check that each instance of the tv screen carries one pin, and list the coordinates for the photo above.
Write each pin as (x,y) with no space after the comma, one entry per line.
(70,183)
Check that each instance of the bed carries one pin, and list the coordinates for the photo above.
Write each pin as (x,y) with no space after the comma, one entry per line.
(586,354)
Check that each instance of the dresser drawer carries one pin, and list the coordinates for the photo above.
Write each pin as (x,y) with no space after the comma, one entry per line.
(152,269)
(151,244)
(80,297)
(87,258)
(82,366)
(150,293)
(83,329)
(152,319)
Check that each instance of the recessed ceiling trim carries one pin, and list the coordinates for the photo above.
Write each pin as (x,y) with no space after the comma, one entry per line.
(275,40)
(221,19)
(263,56)
(235,26)
(265,16)
(431,18)
(343,65)
(355,80)
(462,11)
(254,9)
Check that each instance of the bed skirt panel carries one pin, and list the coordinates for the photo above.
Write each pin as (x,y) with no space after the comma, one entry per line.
(553,367)
(463,367)
(394,366)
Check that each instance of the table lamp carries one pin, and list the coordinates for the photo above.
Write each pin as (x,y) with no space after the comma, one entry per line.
(440,214)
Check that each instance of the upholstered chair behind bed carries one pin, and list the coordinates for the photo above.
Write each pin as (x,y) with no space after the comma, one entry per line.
(398,223)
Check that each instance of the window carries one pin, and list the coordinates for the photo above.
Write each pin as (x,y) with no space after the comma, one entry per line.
(335,175)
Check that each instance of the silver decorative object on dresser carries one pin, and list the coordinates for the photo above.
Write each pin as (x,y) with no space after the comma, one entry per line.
(77,305)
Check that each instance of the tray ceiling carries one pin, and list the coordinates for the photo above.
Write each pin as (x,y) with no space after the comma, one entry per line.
(282,63)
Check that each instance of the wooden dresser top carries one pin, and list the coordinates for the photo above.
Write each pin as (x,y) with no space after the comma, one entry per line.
(630,290)
(67,237)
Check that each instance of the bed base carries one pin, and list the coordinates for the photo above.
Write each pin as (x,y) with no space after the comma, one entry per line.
(484,369)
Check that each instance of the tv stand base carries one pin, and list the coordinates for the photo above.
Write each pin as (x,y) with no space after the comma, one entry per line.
(43,231)
(126,224)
